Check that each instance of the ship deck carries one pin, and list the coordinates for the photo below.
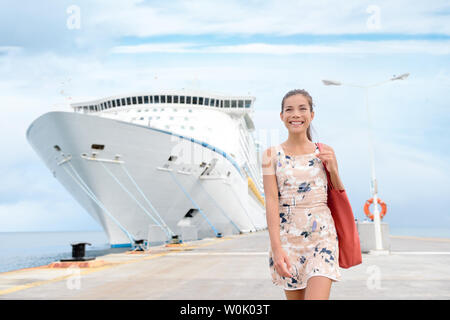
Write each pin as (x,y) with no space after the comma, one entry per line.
(234,267)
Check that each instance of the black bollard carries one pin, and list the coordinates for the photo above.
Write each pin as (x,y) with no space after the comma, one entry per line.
(175,239)
(78,251)
(139,245)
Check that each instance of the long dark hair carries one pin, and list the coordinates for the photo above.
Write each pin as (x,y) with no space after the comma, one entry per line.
(310,102)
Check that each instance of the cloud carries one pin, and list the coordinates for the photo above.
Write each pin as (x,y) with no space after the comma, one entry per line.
(348,47)
(111,54)
(142,19)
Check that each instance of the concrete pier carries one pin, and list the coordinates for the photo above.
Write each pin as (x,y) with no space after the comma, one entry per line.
(233,267)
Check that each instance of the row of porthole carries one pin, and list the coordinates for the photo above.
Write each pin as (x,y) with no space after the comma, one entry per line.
(158,117)
(166,126)
(155,110)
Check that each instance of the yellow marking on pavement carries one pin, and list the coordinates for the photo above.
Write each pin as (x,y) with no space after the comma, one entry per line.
(92,270)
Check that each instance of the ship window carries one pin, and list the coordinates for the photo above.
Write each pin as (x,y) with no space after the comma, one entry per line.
(175,99)
(151,99)
(211,102)
(163,99)
(139,110)
(190,110)
(188,100)
(123,101)
(248,103)
(200,100)
(185,118)
(155,109)
(167,126)
(134,100)
(227,104)
(241,103)
(98,146)
(206,101)
(114,103)
(128,101)
(145,99)
(140,100)
(169,99)
(118,102)
(221,103)
(150,118)
(141,118)
(109,104)
(156,99)
(194,100)
(171,118)
(181,99)
(233,103)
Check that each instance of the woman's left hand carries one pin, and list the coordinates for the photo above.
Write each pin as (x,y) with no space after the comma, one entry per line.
(328,158)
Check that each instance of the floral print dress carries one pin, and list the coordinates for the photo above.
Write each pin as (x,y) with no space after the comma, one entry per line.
(307,230)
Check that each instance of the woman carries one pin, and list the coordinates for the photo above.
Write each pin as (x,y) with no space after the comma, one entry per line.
(304,252)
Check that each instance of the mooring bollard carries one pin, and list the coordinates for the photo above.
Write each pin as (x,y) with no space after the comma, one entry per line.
(78,252)
(139,245)
(175,239)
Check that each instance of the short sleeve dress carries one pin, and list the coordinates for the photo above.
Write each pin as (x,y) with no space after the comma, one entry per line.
(307,230)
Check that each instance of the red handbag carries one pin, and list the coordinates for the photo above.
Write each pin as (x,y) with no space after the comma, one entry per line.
(344,221)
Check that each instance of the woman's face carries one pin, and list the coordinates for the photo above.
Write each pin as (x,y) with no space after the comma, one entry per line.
(296,110)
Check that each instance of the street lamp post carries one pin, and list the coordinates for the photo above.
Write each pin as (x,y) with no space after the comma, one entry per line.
(374,186)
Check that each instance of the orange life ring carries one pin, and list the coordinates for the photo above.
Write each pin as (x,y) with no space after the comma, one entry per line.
(370,214)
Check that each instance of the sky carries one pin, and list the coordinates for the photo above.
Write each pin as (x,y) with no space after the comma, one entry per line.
(54,52)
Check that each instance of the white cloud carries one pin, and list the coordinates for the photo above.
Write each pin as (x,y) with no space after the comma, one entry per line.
(10,49)
(347,47)
(136,18)
(31,84)
(59,213)
(155,47)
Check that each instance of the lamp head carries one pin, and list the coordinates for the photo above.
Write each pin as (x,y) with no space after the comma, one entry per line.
(401,77)
(331,83)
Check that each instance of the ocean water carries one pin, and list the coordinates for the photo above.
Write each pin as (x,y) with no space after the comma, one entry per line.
(31,249)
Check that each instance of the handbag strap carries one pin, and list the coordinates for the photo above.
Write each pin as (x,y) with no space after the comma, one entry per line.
(330,185)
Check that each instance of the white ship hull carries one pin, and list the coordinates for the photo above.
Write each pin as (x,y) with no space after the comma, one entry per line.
(125,186)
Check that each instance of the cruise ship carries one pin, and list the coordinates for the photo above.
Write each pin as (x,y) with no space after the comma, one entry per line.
(157,166)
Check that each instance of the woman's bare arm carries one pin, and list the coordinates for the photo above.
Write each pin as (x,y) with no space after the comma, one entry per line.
(271,195)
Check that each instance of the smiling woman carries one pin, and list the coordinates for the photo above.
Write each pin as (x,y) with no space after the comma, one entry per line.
(304,251)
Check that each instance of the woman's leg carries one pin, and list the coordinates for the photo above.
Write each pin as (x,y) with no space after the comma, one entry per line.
(295,294)
(318,288)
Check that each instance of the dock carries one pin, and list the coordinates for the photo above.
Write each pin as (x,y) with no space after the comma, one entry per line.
(233,268)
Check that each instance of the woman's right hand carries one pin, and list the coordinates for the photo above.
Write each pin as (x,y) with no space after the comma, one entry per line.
(281,263)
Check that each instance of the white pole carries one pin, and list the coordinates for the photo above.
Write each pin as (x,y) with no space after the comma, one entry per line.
(374,186)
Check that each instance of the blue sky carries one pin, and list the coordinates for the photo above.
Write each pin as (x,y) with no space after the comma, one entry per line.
(262,48)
